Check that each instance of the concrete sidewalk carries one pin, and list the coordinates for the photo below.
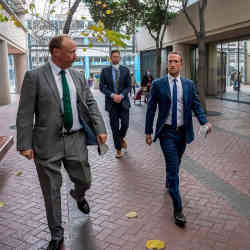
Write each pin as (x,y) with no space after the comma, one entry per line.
(215,186)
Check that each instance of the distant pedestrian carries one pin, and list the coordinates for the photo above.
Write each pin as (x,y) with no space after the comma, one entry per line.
(133,84)
(115,84)
(150,81)
(146,77)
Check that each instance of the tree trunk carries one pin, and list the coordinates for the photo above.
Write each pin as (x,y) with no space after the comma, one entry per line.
(158,62)
(202,67)
(68,21)
(201,37)
(202,73)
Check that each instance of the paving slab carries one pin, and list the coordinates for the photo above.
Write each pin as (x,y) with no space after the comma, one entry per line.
(214,183)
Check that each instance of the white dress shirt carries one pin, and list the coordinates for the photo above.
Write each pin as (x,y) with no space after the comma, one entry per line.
(180,113)
(72,89)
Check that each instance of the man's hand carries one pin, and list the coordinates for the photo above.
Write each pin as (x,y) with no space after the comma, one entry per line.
(117,98)
(29,154)
(209,127)
(102,138)
(148,139)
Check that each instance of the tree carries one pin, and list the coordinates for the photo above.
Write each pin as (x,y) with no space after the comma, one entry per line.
(200,34)
(128,14)
(117,16)
(156,16)
(68,21)
(46,23)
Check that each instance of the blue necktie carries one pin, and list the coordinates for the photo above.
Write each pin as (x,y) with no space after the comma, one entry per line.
(174,106)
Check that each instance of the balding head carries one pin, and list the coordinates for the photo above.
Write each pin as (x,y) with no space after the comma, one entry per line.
(63,51)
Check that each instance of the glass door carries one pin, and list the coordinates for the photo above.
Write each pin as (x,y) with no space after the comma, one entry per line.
(233,71)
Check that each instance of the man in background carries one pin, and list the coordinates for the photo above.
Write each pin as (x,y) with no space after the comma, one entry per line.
(115,84)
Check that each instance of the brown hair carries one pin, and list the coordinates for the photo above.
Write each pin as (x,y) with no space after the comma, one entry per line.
(176,53)
(115,51)
(56,42)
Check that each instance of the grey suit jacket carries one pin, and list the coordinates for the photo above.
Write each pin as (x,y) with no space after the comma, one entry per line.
(40,118)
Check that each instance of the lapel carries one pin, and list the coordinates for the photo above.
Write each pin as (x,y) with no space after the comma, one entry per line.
(185,91)
(110,72)
(167,87)
(76,81)
(78,86)
(51,82)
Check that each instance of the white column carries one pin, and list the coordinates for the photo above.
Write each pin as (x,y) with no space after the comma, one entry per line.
(184,50)
(20,69)
(4,74)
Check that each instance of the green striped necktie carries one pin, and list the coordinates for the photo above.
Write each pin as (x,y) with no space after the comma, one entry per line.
(68,116)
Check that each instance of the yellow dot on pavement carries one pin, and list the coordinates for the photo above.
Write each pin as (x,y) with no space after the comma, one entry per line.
(131,215)
(155,244)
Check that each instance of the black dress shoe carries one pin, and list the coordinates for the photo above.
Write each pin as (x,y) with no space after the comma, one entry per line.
(83,206)
(55,244)
(180,219)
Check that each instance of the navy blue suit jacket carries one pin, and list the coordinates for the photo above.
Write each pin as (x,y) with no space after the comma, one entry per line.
(160,96)
(107,86)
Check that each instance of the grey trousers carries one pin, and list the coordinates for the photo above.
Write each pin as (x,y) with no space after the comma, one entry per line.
(74,156)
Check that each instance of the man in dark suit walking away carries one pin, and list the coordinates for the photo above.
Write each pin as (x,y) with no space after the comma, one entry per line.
(67,119)
(176,98)
(115,83)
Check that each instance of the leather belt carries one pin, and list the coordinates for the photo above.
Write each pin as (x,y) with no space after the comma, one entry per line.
(180,128)
(65,133)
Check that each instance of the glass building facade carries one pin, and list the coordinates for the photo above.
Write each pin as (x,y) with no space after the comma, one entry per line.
(233,70)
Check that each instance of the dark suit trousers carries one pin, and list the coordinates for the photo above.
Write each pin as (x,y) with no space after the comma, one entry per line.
(173,145)
(74,156)
(119,123)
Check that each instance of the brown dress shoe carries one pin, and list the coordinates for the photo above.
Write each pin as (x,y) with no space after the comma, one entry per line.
(124,145)
(118,154)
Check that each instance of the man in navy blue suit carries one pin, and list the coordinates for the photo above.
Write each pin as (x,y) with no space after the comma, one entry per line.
(115,83)
(176,98)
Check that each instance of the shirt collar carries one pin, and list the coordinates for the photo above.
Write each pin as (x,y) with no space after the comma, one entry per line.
(171,78)
(55,68)
(117,66)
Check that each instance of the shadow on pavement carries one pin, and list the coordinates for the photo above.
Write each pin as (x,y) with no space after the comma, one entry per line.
(81,234)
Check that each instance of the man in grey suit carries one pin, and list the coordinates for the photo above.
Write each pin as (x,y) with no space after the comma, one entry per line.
(66,120)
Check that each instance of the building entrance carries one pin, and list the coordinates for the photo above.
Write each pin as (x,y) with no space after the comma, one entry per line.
(233,71)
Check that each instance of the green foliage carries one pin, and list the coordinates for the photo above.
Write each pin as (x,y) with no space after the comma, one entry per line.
(100,33)
(32,7)
(156,14)
(115,15)
(3,18)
